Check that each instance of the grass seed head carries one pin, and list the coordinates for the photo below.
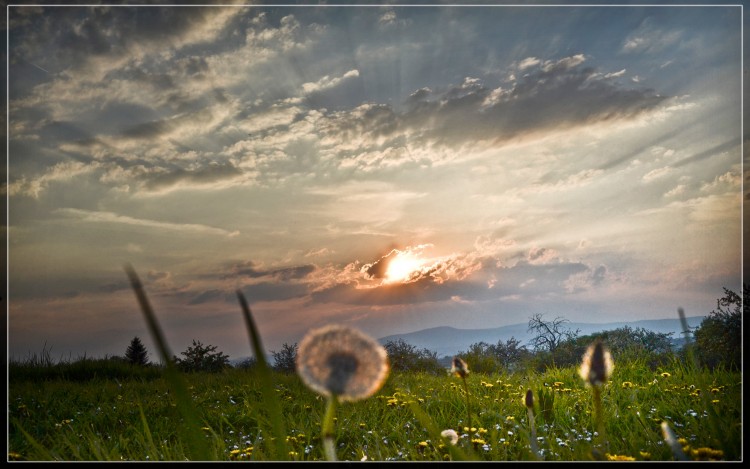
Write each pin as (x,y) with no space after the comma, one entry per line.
(342,361)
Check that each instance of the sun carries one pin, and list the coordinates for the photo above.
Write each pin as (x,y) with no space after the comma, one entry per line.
(401,268)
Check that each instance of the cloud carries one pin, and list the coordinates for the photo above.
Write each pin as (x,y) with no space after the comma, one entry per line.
(286,274)
(110,217)
(60,172)
(729,181)
(528,62)
(213,175)
(676,191)
(718,149)
(327,82)
(649,39)
(656,174)
(100,39)
(585,280)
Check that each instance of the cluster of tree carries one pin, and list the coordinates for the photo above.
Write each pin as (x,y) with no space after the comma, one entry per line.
(406,357)
(717,343)
(718,340)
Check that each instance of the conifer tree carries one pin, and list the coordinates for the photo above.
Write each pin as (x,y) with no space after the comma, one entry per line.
(136,352)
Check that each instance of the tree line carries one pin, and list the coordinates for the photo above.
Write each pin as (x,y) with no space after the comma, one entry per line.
(717,341)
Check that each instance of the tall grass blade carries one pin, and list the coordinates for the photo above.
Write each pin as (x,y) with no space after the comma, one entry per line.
(266,383)
(197,446)
(688,343)
(43,453)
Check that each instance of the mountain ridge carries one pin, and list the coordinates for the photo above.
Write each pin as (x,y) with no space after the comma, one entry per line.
(448,340)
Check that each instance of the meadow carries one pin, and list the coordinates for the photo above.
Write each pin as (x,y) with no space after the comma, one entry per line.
(110,410)
(137,418)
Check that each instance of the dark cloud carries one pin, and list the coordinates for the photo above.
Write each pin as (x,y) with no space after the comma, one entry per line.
(83,33)
(558,97)
(286,274)
(715,150)
(210,173)
(597,276)
(378,269)
(205,297)
(422,290)
(150,130)
(114,286)
(267,291)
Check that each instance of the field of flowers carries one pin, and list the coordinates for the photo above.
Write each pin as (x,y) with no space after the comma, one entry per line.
(139,419)
(344,403)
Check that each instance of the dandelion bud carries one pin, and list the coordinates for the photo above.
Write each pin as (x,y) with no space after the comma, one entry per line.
(529,399)
(459,367)
(597,364)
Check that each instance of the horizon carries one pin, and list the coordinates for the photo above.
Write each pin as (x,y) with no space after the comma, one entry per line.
(386,167)
(236,359)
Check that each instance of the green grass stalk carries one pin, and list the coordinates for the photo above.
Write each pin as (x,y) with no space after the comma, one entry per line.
(278,429)
(197,446)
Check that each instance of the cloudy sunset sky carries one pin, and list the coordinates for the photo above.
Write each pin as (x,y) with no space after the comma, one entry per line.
(393,168)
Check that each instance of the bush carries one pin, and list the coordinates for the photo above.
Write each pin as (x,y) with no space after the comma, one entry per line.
(199,357)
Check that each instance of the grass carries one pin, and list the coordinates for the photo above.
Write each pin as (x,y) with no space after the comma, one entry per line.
(137,419)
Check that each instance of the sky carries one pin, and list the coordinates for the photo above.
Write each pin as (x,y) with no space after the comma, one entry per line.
(391,168)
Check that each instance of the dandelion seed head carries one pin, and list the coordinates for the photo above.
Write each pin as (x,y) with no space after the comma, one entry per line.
(342,361)
(597,364)
(450,435)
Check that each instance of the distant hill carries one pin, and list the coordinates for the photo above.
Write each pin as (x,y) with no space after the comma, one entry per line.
(451,341)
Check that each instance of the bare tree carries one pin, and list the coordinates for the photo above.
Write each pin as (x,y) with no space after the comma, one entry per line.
(285,360)
(549,334)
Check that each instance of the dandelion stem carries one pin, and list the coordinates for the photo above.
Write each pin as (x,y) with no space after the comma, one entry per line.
(468,403)
(329,443)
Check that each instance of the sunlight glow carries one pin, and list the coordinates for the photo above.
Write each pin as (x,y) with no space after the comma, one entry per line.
(401,268)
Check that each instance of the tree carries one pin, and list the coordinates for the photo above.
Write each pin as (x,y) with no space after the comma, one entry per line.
(718,339)
(549,334)
(285,360)
(403,356)
(480,358)
(199,357)
(511,354)
(247,364)
(136,352)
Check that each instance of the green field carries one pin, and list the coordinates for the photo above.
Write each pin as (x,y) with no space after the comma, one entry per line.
(114,416)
